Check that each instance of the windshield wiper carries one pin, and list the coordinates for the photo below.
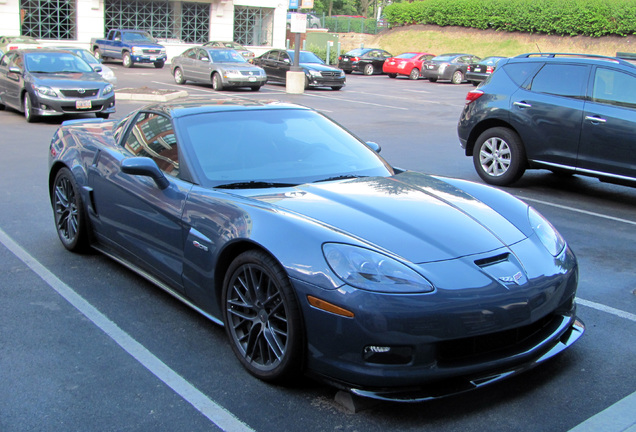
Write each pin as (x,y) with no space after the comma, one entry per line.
(340,177)
(254,185)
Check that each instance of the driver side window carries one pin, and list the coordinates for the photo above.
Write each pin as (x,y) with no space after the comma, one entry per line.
(152,136)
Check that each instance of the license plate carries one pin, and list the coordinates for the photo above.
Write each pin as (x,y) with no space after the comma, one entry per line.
(345,59)
(153,58)
(431,66)
(83,104)
(252,79)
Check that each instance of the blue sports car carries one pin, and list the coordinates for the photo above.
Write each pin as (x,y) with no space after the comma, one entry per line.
(316,255)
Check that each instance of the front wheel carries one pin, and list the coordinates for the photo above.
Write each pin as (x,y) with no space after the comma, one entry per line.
(98,55)
(102,115)
(392,75)
(70,220)
(432,79)
(336,88)
(29,116)
(178,76)
(217,82)
(159,64)
(368,69)
(255,88)
(262,317)
(415,74)
(499,156)
(458,77)
(127,60)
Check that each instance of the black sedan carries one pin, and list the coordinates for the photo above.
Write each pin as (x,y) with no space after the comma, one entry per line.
(477,73)
(314,253)
(220,67)
(278,62)
(451,67)
(47,82)
(369,61)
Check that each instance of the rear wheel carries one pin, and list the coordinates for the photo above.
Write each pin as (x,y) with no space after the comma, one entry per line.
(255,88)
(127,60)
(392,75)
(432,79)
(458,77)
(368,69)
(336,88)
(499,156)
(70,220)
(415,74)
(217,82)
(178,76)
(102,115)
(262,317)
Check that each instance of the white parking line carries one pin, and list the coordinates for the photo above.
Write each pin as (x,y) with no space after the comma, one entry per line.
(607,309)
(573,209)
(620,417)
(214,412)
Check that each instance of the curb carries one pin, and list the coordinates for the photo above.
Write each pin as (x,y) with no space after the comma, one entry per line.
(148,94)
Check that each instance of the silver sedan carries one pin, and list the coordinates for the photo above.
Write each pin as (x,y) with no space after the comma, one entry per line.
(219,66)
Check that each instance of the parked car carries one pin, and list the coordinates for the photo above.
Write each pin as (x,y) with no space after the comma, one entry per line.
(8,43)
(409,64)
(247,54)
(220,67)
(277,62)
(369,61)
(568,113)
(129,46)
(47,82)
(310,249)
(451,67)
(106,72)
(476,73)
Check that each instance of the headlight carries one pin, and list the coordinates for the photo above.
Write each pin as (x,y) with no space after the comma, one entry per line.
(365,269)
(44,90)
(233,74)
(107,90)
(137,50)
(549,236)
(315,73)
(163,51)
(108,74)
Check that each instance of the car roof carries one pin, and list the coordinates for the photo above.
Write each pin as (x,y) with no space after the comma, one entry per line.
(199,105)
(571,58)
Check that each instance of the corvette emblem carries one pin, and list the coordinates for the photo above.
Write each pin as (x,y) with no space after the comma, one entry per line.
(512,279)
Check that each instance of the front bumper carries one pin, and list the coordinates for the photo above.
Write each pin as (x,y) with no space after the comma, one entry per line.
(313,81)
(246,82)
(148,59)
(46,106)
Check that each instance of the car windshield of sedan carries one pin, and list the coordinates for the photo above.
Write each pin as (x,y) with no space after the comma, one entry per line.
(274,147)
(226,56)
(55,62)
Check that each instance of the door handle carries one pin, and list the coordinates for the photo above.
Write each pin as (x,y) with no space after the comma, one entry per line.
(522,104)
(595,119)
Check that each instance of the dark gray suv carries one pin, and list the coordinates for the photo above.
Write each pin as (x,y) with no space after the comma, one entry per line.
(568,113)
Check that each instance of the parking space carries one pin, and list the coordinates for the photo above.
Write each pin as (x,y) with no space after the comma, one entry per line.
(165,367)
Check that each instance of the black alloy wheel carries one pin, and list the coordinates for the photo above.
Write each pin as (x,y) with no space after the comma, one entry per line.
(70,220)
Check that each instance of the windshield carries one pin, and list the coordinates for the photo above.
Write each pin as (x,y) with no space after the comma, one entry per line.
(291,146)
(226,56)
(55,62)
(138,37)
(84,55)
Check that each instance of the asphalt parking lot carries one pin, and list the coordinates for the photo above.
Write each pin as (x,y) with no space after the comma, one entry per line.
(87,345)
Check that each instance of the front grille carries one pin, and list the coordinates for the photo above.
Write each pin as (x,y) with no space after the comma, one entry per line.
(517,339)
(330,74)
(250,73)
(152,51)
(80,93)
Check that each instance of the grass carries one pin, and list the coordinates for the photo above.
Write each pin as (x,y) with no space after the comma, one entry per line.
(483,43)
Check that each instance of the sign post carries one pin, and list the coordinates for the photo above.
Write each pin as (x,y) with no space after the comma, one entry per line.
(295,77)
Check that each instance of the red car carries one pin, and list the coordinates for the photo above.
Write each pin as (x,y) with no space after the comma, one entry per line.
(409,64)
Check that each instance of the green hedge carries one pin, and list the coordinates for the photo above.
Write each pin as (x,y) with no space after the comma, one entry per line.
(560,17)
(352,24)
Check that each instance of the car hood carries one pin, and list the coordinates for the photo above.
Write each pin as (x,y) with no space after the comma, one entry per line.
(74,79)
(319,67)
(418,217)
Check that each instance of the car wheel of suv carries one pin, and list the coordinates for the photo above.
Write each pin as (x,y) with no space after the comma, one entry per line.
(368,69)
(126,60)
(499,156)
(458,77)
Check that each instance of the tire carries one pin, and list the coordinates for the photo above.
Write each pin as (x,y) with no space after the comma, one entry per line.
(392,75)
(262,318)
(255,88)
(336,88)
(97,54)
(68,209)
(432,79)
(29,116)
(415,74)
(102,115)
(475,83)
(368,69)
(217,82)
(458,77)
(178,76)
(127,60)
(499,156)
(159,64)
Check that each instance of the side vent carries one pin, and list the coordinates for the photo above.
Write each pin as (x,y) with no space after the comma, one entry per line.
(485,262)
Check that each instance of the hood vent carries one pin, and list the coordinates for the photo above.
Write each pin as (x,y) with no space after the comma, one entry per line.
(485,262)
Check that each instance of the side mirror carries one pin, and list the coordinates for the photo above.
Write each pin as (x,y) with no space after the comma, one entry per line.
(146,167)
(374,146)
(205,59)
(97,68)
(287,61)
(15,70)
